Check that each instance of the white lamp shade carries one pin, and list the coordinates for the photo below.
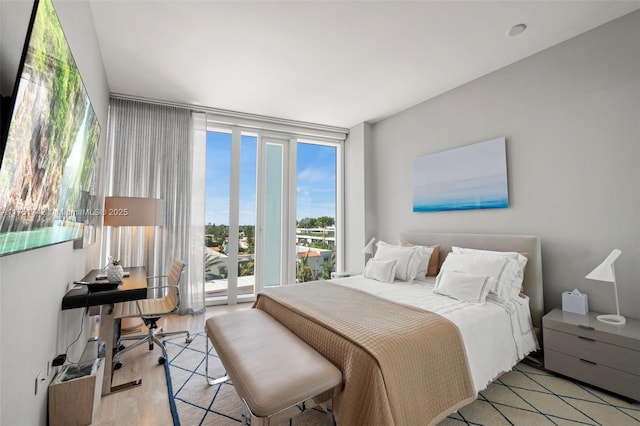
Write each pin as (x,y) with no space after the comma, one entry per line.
(368,249)
(133,211)
(605,271)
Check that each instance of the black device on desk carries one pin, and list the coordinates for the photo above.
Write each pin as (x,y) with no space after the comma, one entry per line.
(125,274)
(99,286)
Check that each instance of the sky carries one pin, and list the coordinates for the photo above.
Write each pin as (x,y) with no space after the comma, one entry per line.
(316,179)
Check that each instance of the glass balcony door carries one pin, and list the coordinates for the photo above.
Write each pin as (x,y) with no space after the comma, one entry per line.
(260,232)
(230,215)
(317,230)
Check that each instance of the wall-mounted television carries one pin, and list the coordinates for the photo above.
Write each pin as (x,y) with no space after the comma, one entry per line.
(49,150)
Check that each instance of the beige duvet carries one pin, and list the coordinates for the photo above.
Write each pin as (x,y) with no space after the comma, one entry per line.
(401,365)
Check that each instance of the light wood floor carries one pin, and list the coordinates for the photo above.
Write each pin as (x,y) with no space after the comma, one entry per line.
(148,404)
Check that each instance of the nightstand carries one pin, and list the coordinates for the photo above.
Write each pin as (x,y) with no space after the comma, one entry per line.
(581,347)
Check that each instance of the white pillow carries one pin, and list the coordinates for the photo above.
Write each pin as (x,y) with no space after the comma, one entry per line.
(466,287)
(408,259)
(509,283)
(522,260)
(476,264)
(424,255)
(380,270)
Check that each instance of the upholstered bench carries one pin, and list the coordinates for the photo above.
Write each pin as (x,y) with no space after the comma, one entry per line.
(272,370)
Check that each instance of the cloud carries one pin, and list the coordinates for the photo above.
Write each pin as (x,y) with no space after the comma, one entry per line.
(311,174)
(302,192)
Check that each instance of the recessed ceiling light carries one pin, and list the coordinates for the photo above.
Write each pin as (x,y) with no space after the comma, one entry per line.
(517,29)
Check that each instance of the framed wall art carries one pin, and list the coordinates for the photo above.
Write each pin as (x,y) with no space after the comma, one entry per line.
(465,178)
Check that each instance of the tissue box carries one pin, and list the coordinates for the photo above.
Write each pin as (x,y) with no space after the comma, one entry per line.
(575,302)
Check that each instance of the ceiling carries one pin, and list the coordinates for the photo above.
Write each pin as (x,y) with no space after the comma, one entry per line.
(335,63)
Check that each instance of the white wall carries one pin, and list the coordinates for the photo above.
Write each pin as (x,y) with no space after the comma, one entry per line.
(359,227)
(33,329)
(571,118)
(14,16)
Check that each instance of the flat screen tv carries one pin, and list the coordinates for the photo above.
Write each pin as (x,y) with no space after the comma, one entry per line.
(48,156)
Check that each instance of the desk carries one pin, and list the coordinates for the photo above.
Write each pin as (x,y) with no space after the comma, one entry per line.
(133,287)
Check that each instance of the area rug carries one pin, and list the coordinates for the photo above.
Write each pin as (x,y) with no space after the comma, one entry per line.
(524,396)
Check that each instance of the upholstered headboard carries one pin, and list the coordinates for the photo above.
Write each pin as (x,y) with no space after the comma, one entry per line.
(529,244)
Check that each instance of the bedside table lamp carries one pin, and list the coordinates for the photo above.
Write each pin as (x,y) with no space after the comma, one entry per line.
(606,272)
(368,249)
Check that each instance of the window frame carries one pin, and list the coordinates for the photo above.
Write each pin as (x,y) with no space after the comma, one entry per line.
(323,135)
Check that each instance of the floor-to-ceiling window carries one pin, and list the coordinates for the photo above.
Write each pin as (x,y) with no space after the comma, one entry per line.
(230,233)
(216,233)
(316,211)
(272,211)
(247,214)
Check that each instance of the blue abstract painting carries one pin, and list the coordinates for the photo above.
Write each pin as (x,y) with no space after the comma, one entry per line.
(465,178)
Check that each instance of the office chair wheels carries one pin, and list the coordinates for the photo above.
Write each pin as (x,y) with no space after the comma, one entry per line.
(121,348)
(161,360)
(189,339)
(117,365)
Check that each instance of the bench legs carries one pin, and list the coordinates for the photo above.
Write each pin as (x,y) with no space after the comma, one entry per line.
(248,418)
(327,406)
(211,381)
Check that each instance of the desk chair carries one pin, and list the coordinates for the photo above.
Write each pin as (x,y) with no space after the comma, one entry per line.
(151,310)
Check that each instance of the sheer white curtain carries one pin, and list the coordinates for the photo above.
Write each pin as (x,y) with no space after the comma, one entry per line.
(151,154)
(198,176)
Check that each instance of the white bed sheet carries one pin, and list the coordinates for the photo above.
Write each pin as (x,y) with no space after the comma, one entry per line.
(496,335)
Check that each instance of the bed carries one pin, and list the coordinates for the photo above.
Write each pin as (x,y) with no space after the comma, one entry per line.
(410,356)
